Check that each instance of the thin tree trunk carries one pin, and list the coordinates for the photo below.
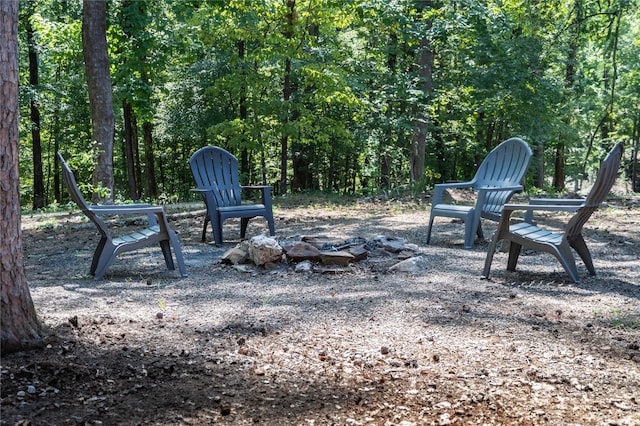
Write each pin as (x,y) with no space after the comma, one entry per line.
(38,177)
(96,62)
(539,155)
(421,126)
(286,95)
(136,154)
(384,157)
(612,92)
(284,140)
(19,326)
(57,184)
(149,157)
(149,160)
(127,113)
(245,172)
(569,80)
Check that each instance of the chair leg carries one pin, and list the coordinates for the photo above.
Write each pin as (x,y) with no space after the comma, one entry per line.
(243,226)
(178,252)
(204,230)
(429,229)
(564,255)
(166,252)
(479,231)
(272,228)
(489,259)
(217,232)
(96,255)
(469,232)
(106,259)
(514,254)
(471,227)
(581,248)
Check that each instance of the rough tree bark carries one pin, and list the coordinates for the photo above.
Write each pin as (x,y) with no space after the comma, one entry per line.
(130,147)
(38,176)
(287,90)
(149,158)
(19,326)
(96,64)
(421,125)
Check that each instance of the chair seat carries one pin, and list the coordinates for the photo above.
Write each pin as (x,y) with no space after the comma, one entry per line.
(451,210)
(138,236)
(243,208)
(526,231)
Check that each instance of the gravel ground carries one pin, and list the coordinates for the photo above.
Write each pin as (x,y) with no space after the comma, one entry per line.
(360,346)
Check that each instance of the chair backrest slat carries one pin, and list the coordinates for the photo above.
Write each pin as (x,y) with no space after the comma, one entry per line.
(217,169)
(604,182)
(72,187)
(606,176)
(505,165)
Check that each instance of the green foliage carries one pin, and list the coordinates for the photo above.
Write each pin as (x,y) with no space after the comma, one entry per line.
(560,74)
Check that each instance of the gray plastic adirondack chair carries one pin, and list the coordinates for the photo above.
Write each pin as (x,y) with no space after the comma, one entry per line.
(497,179)
(157,230)
(215,172)
(527,235)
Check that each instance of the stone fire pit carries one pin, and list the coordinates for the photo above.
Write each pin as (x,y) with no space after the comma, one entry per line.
(325,254)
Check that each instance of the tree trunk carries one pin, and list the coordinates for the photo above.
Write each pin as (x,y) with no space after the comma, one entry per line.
(127,112)
(96,63)
(569,80)
(286,94)
(421,125)
(136,154)
(38,177)
(284,140)
(149,157)
(384,156)
(635,173)
(538,153)
(147,134)
(245,171)
(57,184)
(19,326)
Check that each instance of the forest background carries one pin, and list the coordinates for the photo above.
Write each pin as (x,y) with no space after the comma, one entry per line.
(344,96)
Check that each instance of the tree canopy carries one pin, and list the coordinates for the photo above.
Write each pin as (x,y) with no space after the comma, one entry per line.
(335,95)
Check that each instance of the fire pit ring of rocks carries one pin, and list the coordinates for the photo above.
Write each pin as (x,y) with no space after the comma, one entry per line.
(325,254)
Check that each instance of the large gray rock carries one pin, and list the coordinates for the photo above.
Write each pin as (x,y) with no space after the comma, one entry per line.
(263,249)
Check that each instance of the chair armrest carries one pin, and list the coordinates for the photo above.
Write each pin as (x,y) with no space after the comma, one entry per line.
(260,187)
(529,207)
(126,209)
(266,193)
(501,188)
(438,189)
(556,201)
(444,186)
(153,212)
(201,190)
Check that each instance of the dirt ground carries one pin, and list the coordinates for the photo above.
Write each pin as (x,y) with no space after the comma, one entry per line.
(362,346)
